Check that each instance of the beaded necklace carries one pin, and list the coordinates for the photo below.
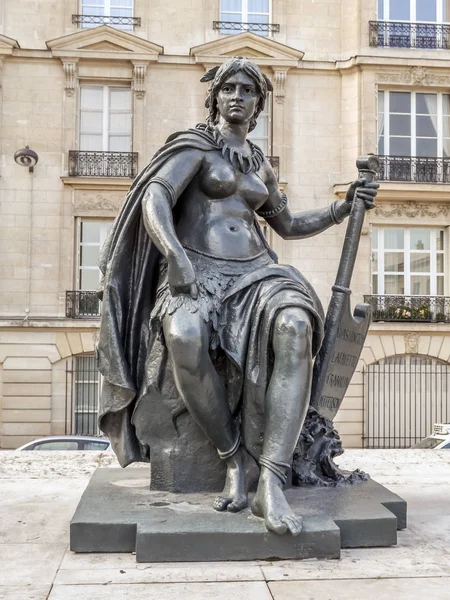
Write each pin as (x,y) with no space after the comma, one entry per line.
(244,163)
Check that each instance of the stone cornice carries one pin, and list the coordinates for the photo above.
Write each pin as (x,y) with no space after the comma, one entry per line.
(8,45)
(98,183)
(390,190)
(105,43)
(263,51)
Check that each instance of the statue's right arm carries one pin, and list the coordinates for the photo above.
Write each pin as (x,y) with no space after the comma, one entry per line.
(160,197)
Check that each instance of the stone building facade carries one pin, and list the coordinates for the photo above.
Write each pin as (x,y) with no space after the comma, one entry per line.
(95,87)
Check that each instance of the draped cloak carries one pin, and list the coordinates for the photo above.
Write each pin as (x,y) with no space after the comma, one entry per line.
(129,262)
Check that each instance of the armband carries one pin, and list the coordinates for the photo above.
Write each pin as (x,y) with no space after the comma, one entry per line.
(168,187)
(269,214)
(333,215)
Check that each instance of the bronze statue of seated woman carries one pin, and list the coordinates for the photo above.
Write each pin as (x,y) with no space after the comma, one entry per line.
(189,277)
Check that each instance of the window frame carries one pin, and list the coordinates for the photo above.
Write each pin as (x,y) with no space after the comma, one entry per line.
(103,234)
(385,16)
(386,113)
(244,13)
(380,250)
(106,115)
(267,113)
(106,8)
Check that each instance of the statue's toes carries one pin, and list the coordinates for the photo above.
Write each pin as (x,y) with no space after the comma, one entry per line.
(276,525)
(220,503)
(238,505)
(294,524)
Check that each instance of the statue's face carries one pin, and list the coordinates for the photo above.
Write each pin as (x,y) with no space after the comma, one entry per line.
(237,98)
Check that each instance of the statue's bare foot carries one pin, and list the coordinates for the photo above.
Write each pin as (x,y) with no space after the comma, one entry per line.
(242,473)
(271,505)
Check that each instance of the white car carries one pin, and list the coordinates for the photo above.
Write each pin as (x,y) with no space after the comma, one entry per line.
(438,440)
(68,442)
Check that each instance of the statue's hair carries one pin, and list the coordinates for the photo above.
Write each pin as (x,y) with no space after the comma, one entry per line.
(218,75)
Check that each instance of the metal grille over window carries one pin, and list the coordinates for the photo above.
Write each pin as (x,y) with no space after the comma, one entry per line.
(245,15)
(83,389)
(404,397)
(411,24)
(116,13)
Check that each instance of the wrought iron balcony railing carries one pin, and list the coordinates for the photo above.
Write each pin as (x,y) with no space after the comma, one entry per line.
(125,22)
(398,34)
(275,162)
(82,305)
(420,309)
(258,28)
(87,163)
(414,168)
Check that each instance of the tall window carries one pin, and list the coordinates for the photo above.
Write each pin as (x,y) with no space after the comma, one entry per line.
(426,11)
(413,124)
(244,11)
(92,236)
(261,134)
(408,261)
(108,8)
(86,389)
(105,118)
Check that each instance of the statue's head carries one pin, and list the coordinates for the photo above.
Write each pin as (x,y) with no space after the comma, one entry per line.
(220,75)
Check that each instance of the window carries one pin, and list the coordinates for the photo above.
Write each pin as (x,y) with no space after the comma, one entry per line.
(105,118)
(426,11)
(413,23)
(86,389)
(92,236)
(57,445)
(98,446)
(413,124)
(261,134)
(408,261)
(108,8)
(244,11)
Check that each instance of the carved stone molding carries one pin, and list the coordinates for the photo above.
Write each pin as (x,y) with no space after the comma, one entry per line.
(1,72)
(411,210)
(87,201)
(412,343)
(413,76)
(70,72)
(139,70)
(279,85)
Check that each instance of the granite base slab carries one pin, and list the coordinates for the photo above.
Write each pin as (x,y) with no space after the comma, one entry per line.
(119,513)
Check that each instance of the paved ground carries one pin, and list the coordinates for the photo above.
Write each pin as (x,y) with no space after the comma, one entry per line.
(40,491)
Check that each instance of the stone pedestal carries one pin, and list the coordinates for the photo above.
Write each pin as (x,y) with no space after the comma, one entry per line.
(119,513)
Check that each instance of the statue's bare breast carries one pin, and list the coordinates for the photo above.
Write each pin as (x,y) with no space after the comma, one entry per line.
(217,210)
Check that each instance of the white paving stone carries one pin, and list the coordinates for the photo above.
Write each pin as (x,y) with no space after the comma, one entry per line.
(28,592)
(179,573)
(164,591)
(30,564)
(371,589)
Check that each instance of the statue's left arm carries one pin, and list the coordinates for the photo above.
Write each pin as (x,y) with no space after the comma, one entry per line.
(307,223)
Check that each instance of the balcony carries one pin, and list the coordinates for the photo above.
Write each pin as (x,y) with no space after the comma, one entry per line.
(275,162)
(258,28)
(414,168)
(83,163)
(411,309)
(400,34)
(82,305)
(94,20)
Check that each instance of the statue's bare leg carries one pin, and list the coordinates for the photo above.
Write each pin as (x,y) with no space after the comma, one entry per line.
(287,400)
(205,397)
